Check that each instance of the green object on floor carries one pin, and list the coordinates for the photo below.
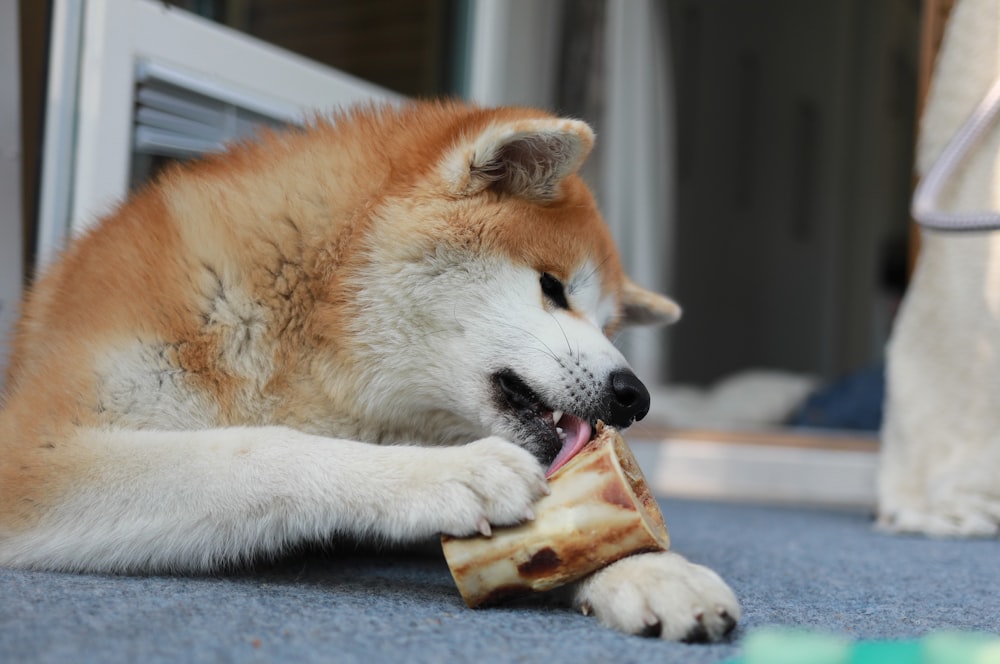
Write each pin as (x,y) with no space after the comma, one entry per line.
(886,652)
(791,646)
(961,648)
(781,645)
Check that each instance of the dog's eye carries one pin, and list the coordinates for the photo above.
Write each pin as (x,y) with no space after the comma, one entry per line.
(553,289)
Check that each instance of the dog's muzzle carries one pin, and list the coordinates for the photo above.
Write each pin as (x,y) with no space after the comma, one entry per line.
(555,432)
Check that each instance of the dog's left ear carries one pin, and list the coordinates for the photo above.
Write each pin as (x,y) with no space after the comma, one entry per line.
(644,307)
(527,158)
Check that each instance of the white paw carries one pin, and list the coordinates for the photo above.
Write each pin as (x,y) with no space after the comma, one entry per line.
(661,594)
(970,522)
(490,482)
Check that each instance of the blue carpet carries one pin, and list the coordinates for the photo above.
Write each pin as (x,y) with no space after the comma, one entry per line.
(823,570)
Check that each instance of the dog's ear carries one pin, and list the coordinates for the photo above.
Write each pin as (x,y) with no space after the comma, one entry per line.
(528,158)
(644,307)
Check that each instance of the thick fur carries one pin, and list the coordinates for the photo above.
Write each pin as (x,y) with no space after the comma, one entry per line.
(940,463)
(307,337)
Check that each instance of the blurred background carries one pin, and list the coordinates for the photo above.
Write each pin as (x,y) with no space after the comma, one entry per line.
(754,159)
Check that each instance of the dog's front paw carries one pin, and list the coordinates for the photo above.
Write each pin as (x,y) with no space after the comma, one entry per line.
(970,521)
(490,482)
(660,594)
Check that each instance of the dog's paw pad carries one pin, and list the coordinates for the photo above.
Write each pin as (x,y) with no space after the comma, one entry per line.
(968,523)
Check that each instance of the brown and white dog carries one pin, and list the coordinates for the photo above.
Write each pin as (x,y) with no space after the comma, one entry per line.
(385,326)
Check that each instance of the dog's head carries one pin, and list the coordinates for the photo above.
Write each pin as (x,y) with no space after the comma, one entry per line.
(494,285)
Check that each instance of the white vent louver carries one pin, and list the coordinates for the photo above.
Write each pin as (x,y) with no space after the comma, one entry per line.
(182,115)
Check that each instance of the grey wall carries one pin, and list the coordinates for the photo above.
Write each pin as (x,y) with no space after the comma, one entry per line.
(795,129)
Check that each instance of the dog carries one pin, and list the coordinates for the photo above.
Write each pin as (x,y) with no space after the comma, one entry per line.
(384,326)
(939,462)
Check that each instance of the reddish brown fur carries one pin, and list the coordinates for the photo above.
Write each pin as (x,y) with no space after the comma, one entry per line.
(283,218)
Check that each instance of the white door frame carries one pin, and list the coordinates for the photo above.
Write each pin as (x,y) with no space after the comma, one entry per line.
(97,46)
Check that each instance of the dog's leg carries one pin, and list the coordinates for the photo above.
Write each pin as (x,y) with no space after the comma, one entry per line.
(192,500)
(659,594)
(959,502)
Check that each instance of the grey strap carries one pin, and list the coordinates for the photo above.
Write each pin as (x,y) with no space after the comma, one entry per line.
(926,208)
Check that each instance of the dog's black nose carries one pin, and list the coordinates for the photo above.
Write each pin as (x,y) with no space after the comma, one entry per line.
(629,399)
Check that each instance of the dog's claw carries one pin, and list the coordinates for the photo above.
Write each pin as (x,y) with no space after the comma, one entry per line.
(483,526)
(729,623)
(652,630)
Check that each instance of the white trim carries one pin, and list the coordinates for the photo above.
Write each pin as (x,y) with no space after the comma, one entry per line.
(60,126)
(513,52)
(488,52)
(760,473)
(637,171)
(104,111)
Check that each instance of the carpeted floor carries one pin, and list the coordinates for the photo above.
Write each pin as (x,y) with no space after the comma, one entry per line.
(824,570)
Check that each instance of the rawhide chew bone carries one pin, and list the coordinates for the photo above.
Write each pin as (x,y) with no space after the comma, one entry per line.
(599,511)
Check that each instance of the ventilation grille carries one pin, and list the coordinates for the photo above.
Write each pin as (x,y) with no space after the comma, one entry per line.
(181,115)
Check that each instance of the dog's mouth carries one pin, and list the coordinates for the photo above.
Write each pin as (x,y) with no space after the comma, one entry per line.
(552,435)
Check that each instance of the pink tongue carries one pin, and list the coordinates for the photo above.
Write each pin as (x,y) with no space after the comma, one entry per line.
(577,434)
